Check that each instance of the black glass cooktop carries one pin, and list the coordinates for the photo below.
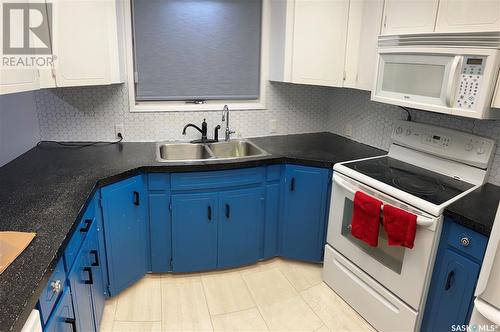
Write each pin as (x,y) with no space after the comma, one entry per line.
(433,187)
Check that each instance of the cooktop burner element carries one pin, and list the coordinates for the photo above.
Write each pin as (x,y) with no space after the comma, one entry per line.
(430,186)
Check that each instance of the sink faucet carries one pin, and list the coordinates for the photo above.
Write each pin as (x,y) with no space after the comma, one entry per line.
(203,130)
(225,117)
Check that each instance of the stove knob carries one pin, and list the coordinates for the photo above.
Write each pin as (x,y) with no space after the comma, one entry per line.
(468,147)
(408,132)
(480,150)
(399,130)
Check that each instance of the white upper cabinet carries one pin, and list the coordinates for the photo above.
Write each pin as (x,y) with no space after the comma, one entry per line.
(409,16)
(468,15)
(86,44)
(308,40)
(18,80)
(320,32)
(364,23)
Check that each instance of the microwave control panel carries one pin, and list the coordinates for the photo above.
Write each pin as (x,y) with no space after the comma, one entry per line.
(470,81)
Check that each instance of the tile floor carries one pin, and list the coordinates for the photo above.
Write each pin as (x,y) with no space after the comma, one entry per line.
(275,295)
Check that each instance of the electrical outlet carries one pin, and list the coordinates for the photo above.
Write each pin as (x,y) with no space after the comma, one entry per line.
(119,129)
(272,125)
(348,130)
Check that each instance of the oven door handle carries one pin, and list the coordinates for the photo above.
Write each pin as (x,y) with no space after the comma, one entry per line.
(421,220)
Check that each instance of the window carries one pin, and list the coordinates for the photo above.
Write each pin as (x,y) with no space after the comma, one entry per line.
(188,51)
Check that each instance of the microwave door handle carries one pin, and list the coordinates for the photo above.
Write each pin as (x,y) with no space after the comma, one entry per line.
(421,221)
(452,79)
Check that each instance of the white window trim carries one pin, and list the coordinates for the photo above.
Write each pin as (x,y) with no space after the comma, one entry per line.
(214,105)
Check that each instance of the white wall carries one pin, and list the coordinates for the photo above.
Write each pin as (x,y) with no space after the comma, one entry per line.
(19,130)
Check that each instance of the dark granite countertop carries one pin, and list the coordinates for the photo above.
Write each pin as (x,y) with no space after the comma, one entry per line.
(476,210)
(46,189)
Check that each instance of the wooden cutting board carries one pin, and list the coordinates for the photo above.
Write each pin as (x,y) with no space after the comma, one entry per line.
(11,245)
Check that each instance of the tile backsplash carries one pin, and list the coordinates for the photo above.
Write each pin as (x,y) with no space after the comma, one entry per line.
(90,113)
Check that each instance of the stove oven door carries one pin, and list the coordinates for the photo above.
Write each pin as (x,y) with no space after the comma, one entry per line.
(402,271)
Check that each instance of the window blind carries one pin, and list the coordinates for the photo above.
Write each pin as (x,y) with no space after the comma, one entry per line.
(197,49)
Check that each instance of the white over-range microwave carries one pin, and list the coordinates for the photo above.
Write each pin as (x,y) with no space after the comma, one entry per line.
(453,80)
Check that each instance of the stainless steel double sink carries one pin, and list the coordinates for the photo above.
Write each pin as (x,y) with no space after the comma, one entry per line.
(189,152)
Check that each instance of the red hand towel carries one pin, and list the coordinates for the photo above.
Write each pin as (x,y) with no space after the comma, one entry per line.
(400,226)
(366,218)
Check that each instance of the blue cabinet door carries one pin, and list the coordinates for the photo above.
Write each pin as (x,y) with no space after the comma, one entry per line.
(194,232)
(96,264)
(62,318)
(271,226)
(125,212)
(451,292)
(304,214)
(80,278)
(241,217)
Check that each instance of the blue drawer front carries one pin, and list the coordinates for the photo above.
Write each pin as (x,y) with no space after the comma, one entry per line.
(49,294)
(466,240)
(79,235)
(273,173)
(217,179)
(63,318)
(158,181)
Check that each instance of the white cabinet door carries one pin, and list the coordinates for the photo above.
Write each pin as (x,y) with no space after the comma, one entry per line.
(468,15)
(409,16)
(85,42)
(18,80)
(365,18)
(319,39)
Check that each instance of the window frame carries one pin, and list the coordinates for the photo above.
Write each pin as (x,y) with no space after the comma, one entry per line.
(209,105)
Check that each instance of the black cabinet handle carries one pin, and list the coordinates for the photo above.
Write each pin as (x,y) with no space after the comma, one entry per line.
(449,280)
(228,211)
(91,279)
(96,257)
(136,198)
(209,212)
(71,321)
(292,184)
(88,223)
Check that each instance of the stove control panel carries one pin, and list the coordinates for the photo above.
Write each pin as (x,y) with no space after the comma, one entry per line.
(443,142)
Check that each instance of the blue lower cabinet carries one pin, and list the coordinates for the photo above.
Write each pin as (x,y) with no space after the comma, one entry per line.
(80,278)
(194,232)
(454,278)
(97,265)
(63,317)
(52,292)
(304,215)
(125,216)
(240,227)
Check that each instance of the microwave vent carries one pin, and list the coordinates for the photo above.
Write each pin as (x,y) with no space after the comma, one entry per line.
(490,40)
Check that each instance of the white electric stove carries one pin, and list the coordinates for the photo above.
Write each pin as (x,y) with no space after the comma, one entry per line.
(426,169)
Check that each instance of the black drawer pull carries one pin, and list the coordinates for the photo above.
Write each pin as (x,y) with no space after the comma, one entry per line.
(96,257)
(292,184)
(449,280)
(136,198)
(71,321)
(91,279)
(228,211)
(88,223)
(209,212)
